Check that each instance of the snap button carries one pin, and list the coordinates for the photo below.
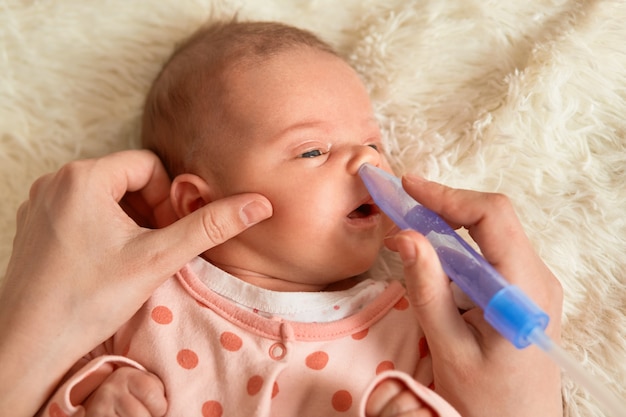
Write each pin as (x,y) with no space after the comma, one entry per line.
(277,351)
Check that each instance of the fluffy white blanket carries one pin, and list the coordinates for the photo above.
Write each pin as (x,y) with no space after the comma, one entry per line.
(522,97)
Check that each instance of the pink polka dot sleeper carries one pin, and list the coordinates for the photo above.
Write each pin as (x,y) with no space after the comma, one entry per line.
(223,350)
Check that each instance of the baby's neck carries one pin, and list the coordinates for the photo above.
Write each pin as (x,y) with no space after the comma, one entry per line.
(283,285)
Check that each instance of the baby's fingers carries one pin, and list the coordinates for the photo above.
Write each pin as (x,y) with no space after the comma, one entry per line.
(128,392)
(150,392)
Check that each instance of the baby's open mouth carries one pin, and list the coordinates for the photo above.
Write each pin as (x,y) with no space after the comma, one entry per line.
(363,211)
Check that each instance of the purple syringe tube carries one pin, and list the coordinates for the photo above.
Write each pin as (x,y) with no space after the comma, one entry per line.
(505,306)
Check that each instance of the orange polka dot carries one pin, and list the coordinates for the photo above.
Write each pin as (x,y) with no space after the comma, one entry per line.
(342,401)
(230,341)
(212,409)
(255,383)
(55,411)
(402,304)
(360,335)
(275,390)
(385,366)
(423,348)
(162,315)
(317,360)
(187,359)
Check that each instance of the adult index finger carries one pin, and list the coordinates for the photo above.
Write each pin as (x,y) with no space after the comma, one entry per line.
(490,219)
(134,171)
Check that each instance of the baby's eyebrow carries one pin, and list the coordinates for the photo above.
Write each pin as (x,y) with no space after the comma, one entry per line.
(370,126)
(301,125)
(318,123)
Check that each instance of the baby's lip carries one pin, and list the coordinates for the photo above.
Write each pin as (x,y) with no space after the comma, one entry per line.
(364,209)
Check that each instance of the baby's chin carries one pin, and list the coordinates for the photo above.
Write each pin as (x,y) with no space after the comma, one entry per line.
(302,277)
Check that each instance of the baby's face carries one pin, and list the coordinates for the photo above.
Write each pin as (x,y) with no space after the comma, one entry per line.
(303,124)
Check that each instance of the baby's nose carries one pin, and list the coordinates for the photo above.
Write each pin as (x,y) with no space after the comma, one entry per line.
(361,155)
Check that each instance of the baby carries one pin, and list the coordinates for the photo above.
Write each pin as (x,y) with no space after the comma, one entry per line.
(277,320)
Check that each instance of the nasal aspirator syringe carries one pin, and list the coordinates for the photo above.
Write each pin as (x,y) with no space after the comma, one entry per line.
(505,306)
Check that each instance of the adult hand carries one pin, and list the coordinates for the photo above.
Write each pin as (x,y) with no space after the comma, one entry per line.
(81,266)
(478,371)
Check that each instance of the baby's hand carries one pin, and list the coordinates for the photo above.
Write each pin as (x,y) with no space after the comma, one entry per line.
(127,392)
(391,398)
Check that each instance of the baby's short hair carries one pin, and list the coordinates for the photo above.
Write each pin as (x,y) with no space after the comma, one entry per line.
(183,108)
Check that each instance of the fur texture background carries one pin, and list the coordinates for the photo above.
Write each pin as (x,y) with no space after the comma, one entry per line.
(524,98)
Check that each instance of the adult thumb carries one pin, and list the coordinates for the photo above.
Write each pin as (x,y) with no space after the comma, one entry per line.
(207,227)
(430,293)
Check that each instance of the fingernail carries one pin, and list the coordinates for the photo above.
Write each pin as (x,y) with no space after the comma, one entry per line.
(254,212)
(406,249)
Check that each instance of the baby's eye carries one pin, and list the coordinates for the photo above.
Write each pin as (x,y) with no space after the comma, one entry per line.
(312,154)
(377,146)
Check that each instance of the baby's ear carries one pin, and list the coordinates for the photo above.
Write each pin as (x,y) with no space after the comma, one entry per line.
(189,192)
